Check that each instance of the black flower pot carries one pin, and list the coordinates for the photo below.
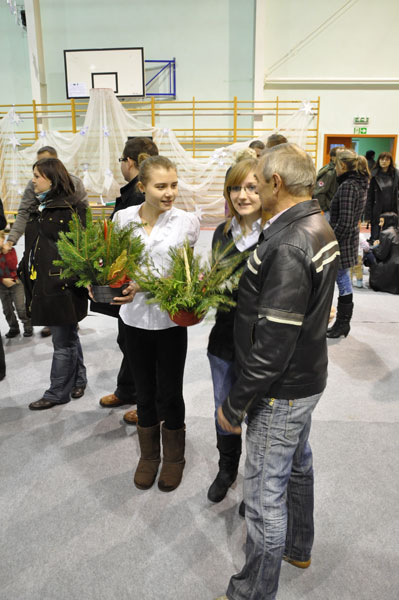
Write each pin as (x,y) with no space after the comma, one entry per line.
(106,294)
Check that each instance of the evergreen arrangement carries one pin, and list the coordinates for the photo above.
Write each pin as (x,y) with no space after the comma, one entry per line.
(192,284)
(99,252)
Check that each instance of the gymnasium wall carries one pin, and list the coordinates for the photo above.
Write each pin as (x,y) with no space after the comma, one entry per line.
(213,42)
(323,43)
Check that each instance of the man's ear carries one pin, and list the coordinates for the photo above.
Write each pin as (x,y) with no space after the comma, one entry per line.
(277,182)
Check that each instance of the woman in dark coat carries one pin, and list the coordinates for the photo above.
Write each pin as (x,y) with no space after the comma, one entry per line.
(243,227)
(345,212)
(50,300)
(383,194)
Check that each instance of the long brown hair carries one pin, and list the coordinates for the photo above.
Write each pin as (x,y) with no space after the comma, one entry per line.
(55,171)
(391,168)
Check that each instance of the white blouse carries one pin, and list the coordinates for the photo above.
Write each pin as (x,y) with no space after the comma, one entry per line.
(172,228)
(242,242)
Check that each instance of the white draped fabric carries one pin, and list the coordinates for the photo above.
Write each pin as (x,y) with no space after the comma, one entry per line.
(93,153)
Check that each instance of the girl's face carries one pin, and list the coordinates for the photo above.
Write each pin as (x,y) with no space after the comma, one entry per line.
(161,189)
(385,162)
(40,182)
(245,198)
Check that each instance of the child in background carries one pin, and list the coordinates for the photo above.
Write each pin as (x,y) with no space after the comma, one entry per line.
(12,293)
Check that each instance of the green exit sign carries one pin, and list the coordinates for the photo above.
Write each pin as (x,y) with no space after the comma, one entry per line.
(360,130)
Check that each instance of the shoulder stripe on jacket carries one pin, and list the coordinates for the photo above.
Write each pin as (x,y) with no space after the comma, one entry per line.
(326,255)
(281,316)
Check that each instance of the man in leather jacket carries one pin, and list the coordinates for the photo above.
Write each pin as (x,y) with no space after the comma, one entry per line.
(284,302)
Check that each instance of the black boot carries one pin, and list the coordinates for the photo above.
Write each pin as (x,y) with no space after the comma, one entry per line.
(229,447)
(341,325)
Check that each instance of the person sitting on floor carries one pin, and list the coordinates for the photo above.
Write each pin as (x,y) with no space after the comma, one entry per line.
(383,258)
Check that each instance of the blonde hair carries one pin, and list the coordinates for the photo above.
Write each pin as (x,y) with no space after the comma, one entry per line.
(147,163)
(352,161)
(245,154)
(363,166)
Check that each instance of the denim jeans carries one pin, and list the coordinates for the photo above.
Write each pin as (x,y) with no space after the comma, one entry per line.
(67,369)
(223,378)
(278,493)
(344,282)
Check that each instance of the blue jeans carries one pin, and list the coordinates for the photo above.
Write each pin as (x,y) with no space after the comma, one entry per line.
(223,378)
(67,369)
(278,493)
(344,282)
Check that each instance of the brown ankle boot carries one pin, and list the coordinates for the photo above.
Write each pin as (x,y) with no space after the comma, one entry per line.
(173,443)
(150,449)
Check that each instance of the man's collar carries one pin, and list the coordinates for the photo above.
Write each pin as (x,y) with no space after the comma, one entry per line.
(288,216)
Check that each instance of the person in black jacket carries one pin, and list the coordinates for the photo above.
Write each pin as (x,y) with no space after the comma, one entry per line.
(3,224)
(383,193)
(244,227)
(284,302)
(50,300)
(125,392)
(383,258)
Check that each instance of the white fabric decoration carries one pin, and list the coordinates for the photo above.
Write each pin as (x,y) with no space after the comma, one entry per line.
(92,154)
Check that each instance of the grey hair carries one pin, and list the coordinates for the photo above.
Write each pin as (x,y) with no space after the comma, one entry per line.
(295,167)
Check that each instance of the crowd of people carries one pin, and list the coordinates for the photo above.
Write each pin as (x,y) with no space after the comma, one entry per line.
(297,235)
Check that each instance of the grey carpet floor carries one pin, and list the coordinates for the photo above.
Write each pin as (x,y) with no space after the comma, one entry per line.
(74,527)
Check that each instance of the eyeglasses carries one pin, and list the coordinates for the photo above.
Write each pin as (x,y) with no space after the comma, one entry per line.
(122,159)
(249,189)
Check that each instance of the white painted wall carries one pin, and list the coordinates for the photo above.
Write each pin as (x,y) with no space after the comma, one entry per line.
(325,43)
(212,41)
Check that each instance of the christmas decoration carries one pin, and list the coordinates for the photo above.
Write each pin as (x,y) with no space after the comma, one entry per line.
(192,285)
(99,253)
(92,153)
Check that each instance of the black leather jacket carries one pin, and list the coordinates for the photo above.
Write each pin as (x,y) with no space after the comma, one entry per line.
(284,302)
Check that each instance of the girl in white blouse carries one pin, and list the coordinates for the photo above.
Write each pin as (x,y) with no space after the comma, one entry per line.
(157,347)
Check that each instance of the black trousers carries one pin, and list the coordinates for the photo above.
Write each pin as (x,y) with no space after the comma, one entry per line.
(125,387)
(157,359)
(2,360)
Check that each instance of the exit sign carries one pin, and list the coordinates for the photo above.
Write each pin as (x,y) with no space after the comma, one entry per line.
(360,130)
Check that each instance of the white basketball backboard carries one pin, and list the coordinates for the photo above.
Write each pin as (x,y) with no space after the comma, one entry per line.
(121,69)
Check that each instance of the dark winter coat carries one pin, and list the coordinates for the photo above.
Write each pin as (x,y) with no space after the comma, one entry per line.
(384,276)
(51,300)
(284,301)
(221,338)
(130,196)
(345,213)
(326,186)
(3,220)
(374,197)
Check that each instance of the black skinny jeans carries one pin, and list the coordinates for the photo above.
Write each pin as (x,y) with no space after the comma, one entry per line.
(157,359)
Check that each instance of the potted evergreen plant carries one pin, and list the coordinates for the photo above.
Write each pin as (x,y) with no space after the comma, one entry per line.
(192,285)
(99,254)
